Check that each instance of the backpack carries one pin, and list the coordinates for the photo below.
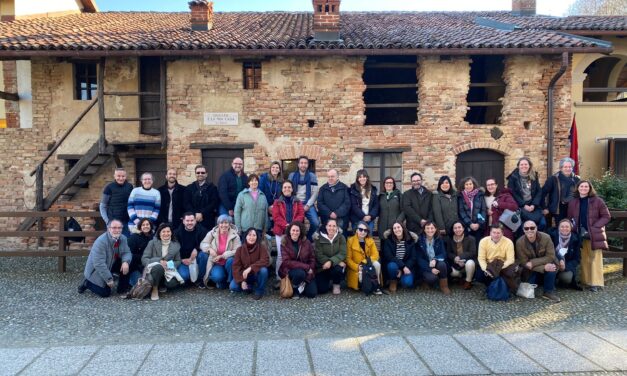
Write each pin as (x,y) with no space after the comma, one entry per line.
(73,225)
(369,280)
(142,288)
(497,290)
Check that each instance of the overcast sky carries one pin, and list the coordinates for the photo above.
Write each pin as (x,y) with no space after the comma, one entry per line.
(552,7)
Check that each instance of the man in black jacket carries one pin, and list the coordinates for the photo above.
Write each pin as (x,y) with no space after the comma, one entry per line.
(334,200)
(201,198)
(417,204)
(114,199)
(172,197)
(190,234)
(231,183)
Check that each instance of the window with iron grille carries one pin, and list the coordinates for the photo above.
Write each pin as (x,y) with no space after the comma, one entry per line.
(85,81)
(252,74)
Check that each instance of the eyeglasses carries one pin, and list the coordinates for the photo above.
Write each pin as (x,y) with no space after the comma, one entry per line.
(201,173)
(115,227)
(361,229)
(416,181)
(529,228)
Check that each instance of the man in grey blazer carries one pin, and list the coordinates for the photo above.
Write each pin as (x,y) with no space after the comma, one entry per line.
(109,251)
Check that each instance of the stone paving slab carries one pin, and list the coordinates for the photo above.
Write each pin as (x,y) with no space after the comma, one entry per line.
(617,337)
(549,353)
(445,356)
(61,361)
(227,359)
(341,356)
(111,368)
(275,357)
(601,352)
(392,356)
(172,358)
(498,355)
(121,353)
(13,361)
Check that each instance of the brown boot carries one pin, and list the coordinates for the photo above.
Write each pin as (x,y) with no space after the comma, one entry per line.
(444,286)
(393,286)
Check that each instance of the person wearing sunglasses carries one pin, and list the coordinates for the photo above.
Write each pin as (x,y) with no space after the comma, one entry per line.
(358,247)
(201,198)
(535,254)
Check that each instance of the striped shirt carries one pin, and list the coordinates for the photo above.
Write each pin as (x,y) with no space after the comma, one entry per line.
(400,250)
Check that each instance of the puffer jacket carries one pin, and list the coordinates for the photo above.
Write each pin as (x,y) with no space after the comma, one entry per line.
(305,260)
(357,214)
(598,217)
(355,256)
(389,251)
(445,210)
(251,213)
(329,250)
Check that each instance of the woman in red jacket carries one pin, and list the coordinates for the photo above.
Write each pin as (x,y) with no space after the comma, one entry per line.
(299,261)
(590,215)
(286,209)
(498,199)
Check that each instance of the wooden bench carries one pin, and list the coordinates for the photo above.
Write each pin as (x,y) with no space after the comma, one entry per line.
(617,228)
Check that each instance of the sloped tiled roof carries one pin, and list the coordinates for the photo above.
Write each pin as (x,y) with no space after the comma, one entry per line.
(132,31)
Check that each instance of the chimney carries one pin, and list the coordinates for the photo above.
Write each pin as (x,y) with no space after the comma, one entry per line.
(524,7)
(202,14)
(326,20)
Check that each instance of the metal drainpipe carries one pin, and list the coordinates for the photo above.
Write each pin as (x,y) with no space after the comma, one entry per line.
(549,129)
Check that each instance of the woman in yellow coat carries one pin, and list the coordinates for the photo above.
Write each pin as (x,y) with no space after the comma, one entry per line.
(357,247)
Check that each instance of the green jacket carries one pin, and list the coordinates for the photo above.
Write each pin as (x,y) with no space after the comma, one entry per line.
(445,211)
(329,251)
(152,253)
(250,213)
(390,211)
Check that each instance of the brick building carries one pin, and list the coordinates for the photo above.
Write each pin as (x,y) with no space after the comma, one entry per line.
(396,92)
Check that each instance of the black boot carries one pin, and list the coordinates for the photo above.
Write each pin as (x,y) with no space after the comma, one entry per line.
(82,287)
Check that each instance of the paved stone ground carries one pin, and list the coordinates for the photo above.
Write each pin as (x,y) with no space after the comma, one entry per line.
(47,328)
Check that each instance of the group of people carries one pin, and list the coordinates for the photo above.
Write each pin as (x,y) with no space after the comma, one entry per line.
(426,237)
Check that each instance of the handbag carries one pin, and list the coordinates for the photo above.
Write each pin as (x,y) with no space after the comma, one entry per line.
(511,219)
(142,288)
(497,290)
(193,271)
(369,280)
(285,290)
(526,290)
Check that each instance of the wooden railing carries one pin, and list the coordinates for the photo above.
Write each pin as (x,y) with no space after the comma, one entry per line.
(617,228)
(61,234)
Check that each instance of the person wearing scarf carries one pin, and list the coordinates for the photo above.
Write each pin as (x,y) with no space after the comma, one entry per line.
(286,209)
(159,251)
(472,208)
(568,252)
(525,187)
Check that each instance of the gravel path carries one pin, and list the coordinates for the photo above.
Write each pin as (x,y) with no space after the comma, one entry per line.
(40,307)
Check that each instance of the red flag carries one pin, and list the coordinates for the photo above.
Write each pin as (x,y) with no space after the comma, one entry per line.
(574,146)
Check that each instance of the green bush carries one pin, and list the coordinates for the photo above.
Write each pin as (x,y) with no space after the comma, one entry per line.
(613,189)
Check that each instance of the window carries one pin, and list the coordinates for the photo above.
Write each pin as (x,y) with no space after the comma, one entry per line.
(486,90)
(391,95)
(381,165)
(252,74)
(606,81)
(290,165)
(618,156)
(85,81)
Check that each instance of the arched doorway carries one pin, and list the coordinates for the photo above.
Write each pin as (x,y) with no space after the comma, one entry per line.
(481,164)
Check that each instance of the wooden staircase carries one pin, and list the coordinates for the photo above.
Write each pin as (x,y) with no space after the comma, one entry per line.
(74,180)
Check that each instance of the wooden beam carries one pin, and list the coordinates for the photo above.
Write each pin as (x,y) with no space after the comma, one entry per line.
(391,65)
(48,234)
(221,146)
(9,96)
(49,214)
(102,140)
(132,119)
(484,104)
(44,253)
(131,93)
(392,105)
(487,84)
(163,106)
(392,86)
(605,89)
(400,149)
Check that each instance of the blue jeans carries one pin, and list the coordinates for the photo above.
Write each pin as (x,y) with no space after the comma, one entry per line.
(222,275)
(134,276)
(548,283)
(201,260)
(257,280)
(314,221)
(406,280)
(103,292)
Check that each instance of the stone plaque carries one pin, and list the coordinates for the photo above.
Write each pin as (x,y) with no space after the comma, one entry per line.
(221,118)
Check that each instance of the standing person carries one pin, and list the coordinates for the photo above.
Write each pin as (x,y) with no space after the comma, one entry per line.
(161,259)
(461,254)
(143,202)
(535,254)
(417,205)
(201,198)
(497,258)
(330,246)
(286,209)
(497,200)
(399,256)
(137,243)
(472,208)
(431,258)
(114,199)
(590,215)
(250,266)
(525,186)
(231,183)
(445,206)
(306,186)
(270,184)
(568,252)
(390,206)
(364,201)
(251,207)
(190,234)
(334,200)
(358,247)
(220,245)
(299,261)
(559,190)
(172,200)
(110,253)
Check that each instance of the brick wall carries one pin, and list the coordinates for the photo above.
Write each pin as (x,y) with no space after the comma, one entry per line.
(12,108)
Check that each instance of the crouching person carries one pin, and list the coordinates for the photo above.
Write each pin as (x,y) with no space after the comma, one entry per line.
(161,258)
(110,253)
(497,258)
(298,261)
(535,254)
(431,256)
(250,265)
(220,245)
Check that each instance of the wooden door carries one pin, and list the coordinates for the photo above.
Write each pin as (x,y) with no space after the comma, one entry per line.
(481,164)
(149,106)
(219,160)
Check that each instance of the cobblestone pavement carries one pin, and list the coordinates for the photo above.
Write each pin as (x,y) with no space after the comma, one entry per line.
(47,328)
